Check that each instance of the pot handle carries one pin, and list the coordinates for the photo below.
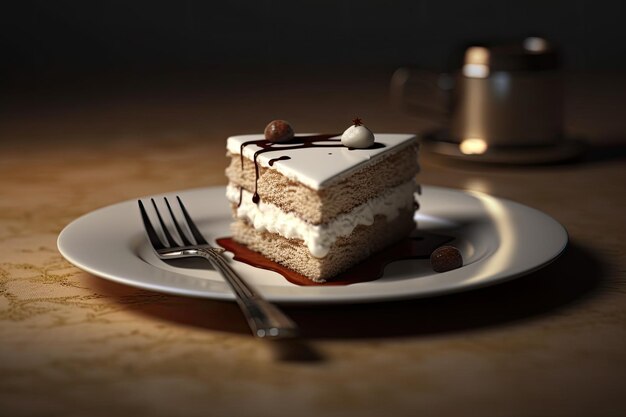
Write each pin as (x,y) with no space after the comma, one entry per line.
(422,93)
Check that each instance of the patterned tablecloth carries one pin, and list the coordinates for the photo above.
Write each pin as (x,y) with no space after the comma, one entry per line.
(71,344)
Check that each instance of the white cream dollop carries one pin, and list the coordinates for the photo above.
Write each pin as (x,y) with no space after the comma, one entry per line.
(357,136)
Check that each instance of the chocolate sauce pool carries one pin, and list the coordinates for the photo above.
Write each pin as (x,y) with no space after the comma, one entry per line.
(417,246)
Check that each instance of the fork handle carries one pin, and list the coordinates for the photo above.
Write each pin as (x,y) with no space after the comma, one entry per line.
(264,318)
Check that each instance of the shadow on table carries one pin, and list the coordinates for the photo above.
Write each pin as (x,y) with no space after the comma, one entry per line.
(575,276)
(605,153)
(572,278)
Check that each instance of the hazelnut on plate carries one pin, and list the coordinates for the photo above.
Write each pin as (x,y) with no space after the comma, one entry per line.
(446,258)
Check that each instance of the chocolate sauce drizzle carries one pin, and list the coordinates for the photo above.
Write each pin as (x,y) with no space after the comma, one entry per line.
(282,158)
(298,142)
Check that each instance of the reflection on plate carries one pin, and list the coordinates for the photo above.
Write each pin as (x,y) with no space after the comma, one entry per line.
(499,240)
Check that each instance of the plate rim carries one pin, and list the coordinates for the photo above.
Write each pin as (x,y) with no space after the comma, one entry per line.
(314,299)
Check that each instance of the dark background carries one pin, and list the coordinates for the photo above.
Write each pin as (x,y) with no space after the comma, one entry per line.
(43,39)
(86,69)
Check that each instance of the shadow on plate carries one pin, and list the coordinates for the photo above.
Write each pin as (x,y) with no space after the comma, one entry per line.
(575,276)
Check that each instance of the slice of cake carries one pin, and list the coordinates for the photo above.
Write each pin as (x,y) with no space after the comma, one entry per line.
(316,206)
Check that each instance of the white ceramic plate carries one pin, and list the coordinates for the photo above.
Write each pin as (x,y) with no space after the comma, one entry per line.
(499,240)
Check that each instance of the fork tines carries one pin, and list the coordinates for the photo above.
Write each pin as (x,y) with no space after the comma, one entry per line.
(153,236)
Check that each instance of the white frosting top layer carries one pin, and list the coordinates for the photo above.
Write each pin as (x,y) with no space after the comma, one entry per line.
(318,168)
(319,238)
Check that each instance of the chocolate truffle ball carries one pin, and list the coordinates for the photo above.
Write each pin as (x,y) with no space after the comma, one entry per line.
(446,258)
(278,131)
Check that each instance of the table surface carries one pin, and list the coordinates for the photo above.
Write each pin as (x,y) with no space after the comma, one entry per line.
(550,343)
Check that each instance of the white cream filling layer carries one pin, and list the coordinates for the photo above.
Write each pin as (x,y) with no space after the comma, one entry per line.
(319,238)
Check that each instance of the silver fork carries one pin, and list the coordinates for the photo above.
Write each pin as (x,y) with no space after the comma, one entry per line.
(265,319)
